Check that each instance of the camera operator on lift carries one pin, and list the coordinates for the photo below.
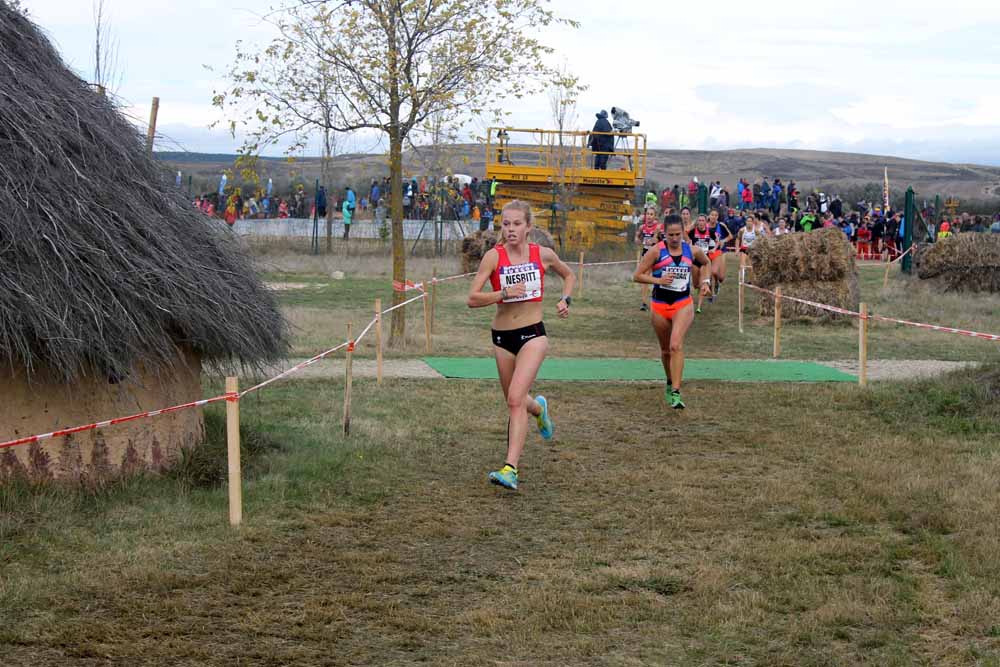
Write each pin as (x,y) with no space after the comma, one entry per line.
(601,144)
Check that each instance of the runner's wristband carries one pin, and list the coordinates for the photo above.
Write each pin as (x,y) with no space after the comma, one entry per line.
(567,299)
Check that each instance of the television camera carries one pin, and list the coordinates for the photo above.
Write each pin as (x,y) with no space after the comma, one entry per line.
(621,121)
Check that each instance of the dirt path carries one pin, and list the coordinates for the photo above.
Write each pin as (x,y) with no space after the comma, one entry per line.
(334,368)
(900,369)
(878,369)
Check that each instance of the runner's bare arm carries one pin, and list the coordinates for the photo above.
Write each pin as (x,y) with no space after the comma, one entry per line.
(729,235)
(553,263)
(477,297)
(644,272)
(702,260)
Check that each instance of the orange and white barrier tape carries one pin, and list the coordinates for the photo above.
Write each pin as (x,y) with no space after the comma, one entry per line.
(816,304)
(903,254)
(119,420)
(883,318)
(936,327)
(409,285)
(197,404)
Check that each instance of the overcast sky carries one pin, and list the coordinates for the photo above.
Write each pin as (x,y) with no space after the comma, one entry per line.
(853,75)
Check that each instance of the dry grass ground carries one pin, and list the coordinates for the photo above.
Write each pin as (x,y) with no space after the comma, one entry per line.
(765,525)
(841,527)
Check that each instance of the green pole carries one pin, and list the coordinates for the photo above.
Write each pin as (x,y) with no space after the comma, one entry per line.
(910,219)
(937,209)
(702,199)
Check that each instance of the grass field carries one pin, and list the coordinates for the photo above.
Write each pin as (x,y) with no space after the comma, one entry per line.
(765,525)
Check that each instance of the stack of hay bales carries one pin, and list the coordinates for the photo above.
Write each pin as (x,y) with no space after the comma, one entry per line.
(818,266)
(477,244)
(968,262)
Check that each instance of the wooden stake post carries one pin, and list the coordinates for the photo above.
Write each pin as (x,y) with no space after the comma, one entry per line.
(378,342)
(233,454)
(151,132)
(885,278)
(863,346)
(777,322)
(347,381)
(739,301)
(434,273)
(427,323)
(579,287)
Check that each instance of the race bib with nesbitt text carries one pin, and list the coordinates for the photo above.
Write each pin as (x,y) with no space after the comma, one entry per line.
(529,274)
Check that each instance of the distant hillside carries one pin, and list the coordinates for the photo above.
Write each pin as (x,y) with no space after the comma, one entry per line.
(826,170)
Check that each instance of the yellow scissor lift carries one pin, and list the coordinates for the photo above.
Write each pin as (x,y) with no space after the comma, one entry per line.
(530,164)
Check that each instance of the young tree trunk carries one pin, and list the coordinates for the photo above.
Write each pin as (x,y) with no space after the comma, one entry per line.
(327,151)
(398,329)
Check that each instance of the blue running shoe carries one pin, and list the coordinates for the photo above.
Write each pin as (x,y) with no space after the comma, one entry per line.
(505,477)
(545,425)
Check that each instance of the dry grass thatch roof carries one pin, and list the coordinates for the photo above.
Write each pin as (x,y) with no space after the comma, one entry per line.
(102,264)
(968,262)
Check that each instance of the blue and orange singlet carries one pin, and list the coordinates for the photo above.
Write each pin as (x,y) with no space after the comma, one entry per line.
(679,268)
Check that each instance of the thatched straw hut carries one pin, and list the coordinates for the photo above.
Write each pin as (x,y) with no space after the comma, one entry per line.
(476,244)
(818,266)
(113,290)
(968,262)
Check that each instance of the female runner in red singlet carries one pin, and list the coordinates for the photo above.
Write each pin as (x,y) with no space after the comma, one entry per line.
(648,234)
(516,270)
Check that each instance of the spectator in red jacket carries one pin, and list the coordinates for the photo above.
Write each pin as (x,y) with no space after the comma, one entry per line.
(667,199)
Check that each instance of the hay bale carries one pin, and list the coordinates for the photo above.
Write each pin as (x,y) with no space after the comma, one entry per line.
(968,262)
(840,293)
(474,246)
(477,244)
(820,255)
(818,266)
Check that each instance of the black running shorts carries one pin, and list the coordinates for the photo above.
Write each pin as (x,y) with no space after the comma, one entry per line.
(513,340)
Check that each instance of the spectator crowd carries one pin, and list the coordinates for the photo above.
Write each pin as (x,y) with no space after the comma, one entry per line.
(452,198)
(875,231)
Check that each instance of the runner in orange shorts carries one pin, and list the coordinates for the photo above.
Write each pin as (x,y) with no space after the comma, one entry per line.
(668,267)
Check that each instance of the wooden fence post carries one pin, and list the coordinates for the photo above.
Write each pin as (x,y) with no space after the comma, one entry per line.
(434,273)
(777,322)
(428,346)
(739,301)
(151,130)
(579,288)
(233,454)
(347,381)
(885,278)
(863,346)
(378,342)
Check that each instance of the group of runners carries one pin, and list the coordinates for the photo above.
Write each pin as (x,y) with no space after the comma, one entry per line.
(677,254)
